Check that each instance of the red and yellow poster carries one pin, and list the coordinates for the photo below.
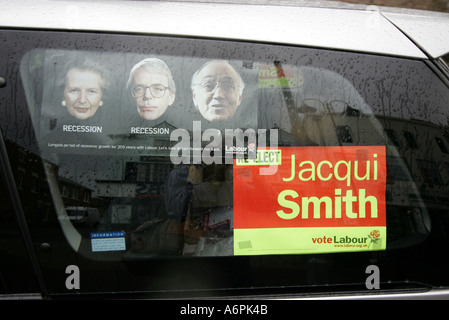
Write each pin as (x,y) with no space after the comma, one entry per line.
(314,200)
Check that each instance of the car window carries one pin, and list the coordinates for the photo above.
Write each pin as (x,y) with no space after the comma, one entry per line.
(176,164)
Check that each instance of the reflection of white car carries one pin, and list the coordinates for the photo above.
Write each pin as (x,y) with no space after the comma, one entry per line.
(83,216)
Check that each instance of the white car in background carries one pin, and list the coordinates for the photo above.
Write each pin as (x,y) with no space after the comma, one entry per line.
(83,216)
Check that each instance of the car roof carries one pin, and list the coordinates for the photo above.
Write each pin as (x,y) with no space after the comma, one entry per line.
(324,24)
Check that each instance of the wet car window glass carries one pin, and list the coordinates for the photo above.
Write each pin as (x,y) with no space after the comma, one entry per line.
(165,158)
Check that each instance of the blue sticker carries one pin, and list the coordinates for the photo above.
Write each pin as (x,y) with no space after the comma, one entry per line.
(112,234)
(108,241)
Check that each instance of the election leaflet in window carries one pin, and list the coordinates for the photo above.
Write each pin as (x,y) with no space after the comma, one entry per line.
(221,156)
(96,103)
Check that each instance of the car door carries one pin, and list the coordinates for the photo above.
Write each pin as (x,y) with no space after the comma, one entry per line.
(228,168)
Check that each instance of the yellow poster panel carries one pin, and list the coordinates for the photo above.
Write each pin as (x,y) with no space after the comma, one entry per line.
(309,240)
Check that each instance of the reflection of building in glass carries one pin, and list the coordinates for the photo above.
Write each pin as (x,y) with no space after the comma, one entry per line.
(152,189)
(147,170)
(141,186)
(31,180)
(417,151)
(148,166)
(74,194)
(138,195)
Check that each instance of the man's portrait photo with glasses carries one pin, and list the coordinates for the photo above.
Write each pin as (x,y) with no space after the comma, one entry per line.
(152,87)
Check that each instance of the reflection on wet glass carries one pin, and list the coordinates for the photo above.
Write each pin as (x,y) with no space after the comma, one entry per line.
(187,210)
